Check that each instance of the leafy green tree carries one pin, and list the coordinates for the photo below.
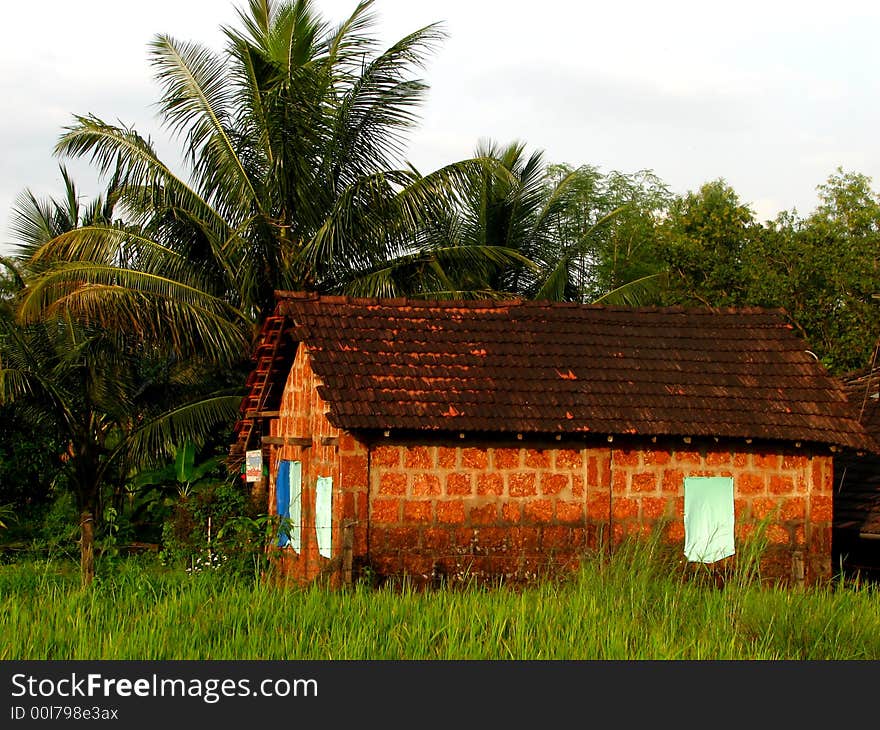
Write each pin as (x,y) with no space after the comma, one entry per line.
(29,463)
(703,240)
(824,271)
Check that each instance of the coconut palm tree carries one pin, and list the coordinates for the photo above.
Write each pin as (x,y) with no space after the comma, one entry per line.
(566,225)
(98,392)
(294,138)
(115,402)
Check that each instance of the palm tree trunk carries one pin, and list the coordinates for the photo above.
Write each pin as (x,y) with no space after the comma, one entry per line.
(87,546)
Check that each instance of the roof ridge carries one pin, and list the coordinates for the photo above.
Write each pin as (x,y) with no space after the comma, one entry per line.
(520,302)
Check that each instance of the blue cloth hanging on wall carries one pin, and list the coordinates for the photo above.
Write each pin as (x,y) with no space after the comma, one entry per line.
(282,495)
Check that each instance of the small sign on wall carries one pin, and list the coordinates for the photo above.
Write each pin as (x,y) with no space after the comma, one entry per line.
(253,465)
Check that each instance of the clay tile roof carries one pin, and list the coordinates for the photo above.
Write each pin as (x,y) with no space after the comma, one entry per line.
(536,367)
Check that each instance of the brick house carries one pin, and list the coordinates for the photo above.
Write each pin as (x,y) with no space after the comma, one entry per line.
(507,438)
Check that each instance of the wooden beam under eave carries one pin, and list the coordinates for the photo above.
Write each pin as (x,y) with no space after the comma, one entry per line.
(287,441)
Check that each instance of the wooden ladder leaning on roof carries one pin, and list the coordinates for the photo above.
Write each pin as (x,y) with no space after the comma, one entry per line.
(258,385)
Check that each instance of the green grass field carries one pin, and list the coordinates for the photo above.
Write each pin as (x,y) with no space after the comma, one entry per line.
(637,605)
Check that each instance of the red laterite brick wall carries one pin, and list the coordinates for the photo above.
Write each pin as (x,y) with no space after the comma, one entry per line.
(789,489)
(516,509)
(343,458)
(508,511)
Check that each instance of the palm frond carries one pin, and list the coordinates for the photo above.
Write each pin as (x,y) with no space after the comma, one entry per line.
(139,171)
(32,223)
(379,108)
(156,308)
(294,35)
(27,361)
(640,292)
(159,436)
(350,42)
(257,20)
(105,244)
(442,271)
(196,101)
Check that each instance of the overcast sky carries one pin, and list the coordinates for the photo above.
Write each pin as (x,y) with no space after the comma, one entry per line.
(772,96)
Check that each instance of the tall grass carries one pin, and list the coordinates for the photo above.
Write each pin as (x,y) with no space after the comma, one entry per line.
(641,603)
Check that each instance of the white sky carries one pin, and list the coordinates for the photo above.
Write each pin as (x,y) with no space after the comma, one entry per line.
(771,95)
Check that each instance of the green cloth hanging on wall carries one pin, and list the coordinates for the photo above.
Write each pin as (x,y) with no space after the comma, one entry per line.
(708,518)
(324,515)
(296,505)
